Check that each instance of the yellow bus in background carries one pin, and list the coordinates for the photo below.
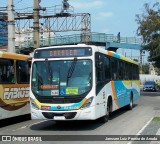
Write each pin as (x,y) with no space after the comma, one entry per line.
(14,84)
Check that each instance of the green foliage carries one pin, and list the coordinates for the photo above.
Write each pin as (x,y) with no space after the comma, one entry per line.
(149,29)
(145,69)
(158,71)
(157,119)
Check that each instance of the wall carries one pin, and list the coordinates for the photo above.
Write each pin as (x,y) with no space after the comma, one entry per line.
(3,33)
(145,77)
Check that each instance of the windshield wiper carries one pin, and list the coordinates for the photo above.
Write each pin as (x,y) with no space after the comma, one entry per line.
(49,70)
(71,69)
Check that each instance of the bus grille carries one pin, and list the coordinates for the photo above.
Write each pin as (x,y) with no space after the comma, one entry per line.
(67,115)
(60,100)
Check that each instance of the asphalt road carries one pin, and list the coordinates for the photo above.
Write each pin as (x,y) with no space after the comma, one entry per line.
(121,122)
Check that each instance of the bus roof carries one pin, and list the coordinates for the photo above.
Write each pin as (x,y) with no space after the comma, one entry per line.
(116,55)
(13,55)
(96,48)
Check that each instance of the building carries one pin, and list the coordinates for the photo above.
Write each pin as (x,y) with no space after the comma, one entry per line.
(3,31)
(153,70)
(24,37)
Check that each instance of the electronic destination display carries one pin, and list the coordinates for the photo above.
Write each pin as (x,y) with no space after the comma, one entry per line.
(63,52)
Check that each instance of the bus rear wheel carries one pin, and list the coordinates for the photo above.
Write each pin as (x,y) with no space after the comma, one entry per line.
(130,106)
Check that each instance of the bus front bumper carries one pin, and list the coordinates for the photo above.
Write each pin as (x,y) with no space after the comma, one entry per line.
(82,114)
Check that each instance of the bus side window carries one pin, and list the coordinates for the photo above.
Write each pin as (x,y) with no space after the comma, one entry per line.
(11,73)
(126,71)
(120,69)
(130,71)
(7,71)
(107,68)
(22,71)
(135,74)
(114,69)
(99,68)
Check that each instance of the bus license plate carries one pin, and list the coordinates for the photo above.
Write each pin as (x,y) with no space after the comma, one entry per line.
(59,118)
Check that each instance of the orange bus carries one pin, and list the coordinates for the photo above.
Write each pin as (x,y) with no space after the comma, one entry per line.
(14,84)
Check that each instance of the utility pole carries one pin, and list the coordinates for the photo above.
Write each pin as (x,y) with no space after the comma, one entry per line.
(11,27)
(140,61)
(36,23)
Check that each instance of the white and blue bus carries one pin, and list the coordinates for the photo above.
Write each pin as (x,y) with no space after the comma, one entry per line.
(81,82)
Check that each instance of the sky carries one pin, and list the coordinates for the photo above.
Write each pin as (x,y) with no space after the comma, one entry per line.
(107,16)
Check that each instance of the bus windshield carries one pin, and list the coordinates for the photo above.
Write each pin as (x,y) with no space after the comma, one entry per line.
(61,77)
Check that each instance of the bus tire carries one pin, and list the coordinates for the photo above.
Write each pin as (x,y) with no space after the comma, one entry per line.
(130,106)
(105,118)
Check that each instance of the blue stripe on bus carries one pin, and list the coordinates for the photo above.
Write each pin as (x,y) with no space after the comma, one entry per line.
(116,56)
(70,107)
(123,93)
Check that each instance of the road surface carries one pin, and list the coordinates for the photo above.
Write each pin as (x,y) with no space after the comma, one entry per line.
(121,122)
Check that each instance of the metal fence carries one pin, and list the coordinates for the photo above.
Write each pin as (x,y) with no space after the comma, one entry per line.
(77,38)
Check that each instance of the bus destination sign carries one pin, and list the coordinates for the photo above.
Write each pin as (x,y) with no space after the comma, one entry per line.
(63,52)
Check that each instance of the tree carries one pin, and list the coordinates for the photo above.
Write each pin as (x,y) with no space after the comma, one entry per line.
(145,69)
(149,29)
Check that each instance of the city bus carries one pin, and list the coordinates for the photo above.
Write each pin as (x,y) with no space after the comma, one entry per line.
(14,85)
(81,82)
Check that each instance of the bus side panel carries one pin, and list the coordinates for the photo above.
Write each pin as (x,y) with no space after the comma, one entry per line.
(119,92)
(109,89)
(101,102)
(136,89)
(8,114)
(132,88)
(102,97)
(14,100)
(122,90)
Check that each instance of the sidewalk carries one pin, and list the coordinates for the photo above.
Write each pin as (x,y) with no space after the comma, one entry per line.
(153,128)
(158,133)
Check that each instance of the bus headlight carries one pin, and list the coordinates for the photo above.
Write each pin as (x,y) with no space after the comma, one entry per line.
(87,103)
(33,104)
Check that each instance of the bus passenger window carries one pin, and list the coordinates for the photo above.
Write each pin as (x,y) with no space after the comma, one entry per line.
(22,71)
(121,70)
(99,68)
(114,69)
(107,68)
(6,71)
(126,71)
